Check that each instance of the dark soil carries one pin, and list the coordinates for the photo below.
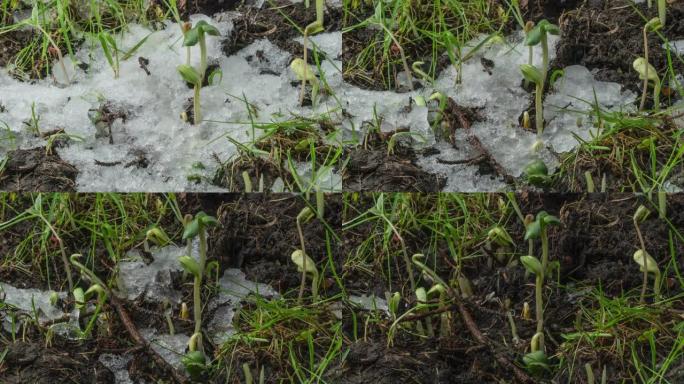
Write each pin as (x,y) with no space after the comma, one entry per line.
(33,170)
(275,23)
(608,38)
(257,233)
(374,170)
(11,43)
(207,7)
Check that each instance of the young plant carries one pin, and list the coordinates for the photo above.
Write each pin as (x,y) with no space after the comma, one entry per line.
(193,77)
(539,35)
(197,228)
(197,35)
(537,173)
(643,258)
(648,265)
(534,75)
(648,73)
(533,265)
(530,48)
(444,318)
(304,217)
(662,11)
(304,73)
(306,266)
(311,29)
(652,26)
(97,287)
(539,229)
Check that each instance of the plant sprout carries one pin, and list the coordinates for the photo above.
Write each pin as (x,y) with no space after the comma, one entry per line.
(648,73)
(306,266)
(311,29)
(444,318)
(98,286)
(648,265)
(640,215)
(197,228)
(193,77)
(539,34)
(533,265)
(537,173)
(534,75)
(194,363)
(530,55)
(304,73)
(303,217)
(197,35)
(652,26)
(662,11)
(538,229)
(157,236)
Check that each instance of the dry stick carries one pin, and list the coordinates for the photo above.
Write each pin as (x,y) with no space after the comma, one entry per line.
(137,337)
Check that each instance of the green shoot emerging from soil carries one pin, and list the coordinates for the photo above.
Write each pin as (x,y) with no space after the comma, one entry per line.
(198,35)
(539,35)
(311,29)
(648,73)
(533,265)
(98,286)
(193,77)
(197,228)
(534,75)
(304,263)
(652,26)
(641,256)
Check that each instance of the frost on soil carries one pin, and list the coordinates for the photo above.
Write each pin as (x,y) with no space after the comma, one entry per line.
(153,149)
(502,100)
(24,301)
(234,288)
(153,281)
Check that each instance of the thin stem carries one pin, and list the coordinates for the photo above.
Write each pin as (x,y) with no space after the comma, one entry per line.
(197,117)
(643,95)
(545,57)
(539,305)
(302,93)
(656,94)
(545,251)
(301,244)
(662,11)
(203,56)
(198,285)
(643,248)
(539,113)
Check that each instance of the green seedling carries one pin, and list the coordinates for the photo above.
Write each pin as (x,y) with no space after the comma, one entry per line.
(305,74)
(156,236)
(393,303)
(311,29)
(307,267)
(534,75)
(444,318)
(648,73)
(662,11)
(652,26)
(539,35)
(196,35)
(97,287)
(640,215)
(537,173)
(648,265)
(193,77)
(421,304)
(195,364)
(536,362)
(303,217)
(197,228)
(185,28)
(530,49)
(533,265)
(500,237)
(539,229)
(111,51)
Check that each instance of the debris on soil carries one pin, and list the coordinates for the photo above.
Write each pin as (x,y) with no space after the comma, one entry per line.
(35,169)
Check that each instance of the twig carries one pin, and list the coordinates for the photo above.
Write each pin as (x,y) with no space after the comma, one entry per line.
(137,337)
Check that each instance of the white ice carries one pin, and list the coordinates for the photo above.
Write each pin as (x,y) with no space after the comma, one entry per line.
(234,288)
(25,300)
(118,365)
(154,128)
(153,281)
